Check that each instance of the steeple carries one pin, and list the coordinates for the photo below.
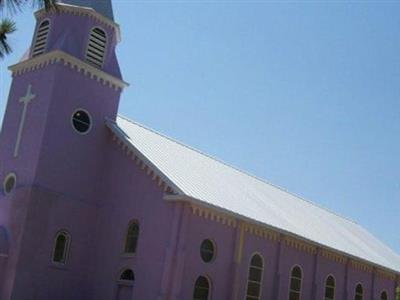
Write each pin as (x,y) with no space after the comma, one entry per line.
(103,7)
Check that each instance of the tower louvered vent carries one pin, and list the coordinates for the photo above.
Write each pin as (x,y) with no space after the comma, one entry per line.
(41,38)
(97,47)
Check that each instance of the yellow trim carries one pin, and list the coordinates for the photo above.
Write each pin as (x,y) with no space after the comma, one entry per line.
(239,249)
(385,275)
(361,266)
(333,256)
(67,60)
(299,245)
(262,232)
(212,215)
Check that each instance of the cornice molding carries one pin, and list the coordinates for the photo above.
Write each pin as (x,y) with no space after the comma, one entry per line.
(333,256)
(212,215)
(81,11)
(361,266)
(58,56)
(299,245)
(385,274)
(143,163)
(261,231)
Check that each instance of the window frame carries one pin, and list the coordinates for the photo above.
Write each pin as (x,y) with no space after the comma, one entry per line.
(124,281)
(334,287)
(66,247)
(90,120)
(362,291)
(214,253)
(126,236)
(6,179)
(290,281)
(105,47)
(248,275)
(32,54)
(209,296)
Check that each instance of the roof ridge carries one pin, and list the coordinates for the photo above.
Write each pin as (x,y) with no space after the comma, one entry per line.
(238,170)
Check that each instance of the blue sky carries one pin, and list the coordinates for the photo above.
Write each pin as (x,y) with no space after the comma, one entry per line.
(303,94)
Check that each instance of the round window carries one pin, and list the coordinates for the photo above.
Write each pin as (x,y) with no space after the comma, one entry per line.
(207,250)
(9,183)
(81,121)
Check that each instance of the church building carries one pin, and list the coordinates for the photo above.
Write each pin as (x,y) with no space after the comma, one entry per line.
(94,206)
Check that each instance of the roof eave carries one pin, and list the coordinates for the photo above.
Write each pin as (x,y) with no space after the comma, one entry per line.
(186,198)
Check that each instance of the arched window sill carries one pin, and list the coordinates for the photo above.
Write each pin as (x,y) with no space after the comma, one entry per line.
(59,266)
(128,255)
(125,282)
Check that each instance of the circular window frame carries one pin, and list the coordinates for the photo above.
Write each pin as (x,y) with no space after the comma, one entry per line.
(6,179)
(90,120)
(214,256)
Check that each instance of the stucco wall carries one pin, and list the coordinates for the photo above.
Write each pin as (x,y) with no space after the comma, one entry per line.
(275,285)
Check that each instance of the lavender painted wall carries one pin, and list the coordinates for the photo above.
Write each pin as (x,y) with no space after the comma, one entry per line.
(89,186)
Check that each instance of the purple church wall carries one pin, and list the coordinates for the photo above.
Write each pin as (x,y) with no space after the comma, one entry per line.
(90,187)
(268,249)
(329,267)
(128,193)
(219,270)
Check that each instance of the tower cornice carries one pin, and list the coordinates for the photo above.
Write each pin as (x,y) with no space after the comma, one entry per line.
(60,57)
(82,11)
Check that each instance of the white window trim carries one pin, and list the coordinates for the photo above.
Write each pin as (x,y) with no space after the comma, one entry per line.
(35,38)
(210,287)
(214,250)
(301,281)
(126,282)
(325,286)
(130,254)
(90,120)
(355,290)
(248,274)
(66,249)
(105,47)
(9,175)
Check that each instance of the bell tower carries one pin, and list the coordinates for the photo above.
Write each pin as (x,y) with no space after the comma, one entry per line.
(52,146)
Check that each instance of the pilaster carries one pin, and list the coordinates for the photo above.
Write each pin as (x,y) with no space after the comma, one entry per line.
(373,279)
(170,251)
(237,260)
(346,279)
(315,274)
(277,277)
(180,254)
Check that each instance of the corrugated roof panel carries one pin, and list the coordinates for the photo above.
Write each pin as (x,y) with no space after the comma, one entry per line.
(217,184)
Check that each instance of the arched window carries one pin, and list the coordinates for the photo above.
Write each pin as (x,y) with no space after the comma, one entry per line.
(330,285)
(201,289)
(254,279)
(359,292)
(384,296)
(127,275)
(40,43)
(295,283)
(132,237)
(96,49)
(61,247)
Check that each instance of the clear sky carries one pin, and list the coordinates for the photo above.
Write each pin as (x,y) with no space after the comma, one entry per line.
(303,94)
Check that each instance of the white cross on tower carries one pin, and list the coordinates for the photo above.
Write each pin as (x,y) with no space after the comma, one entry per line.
(25,100)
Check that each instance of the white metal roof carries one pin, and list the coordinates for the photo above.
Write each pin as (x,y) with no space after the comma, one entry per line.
(216,184)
